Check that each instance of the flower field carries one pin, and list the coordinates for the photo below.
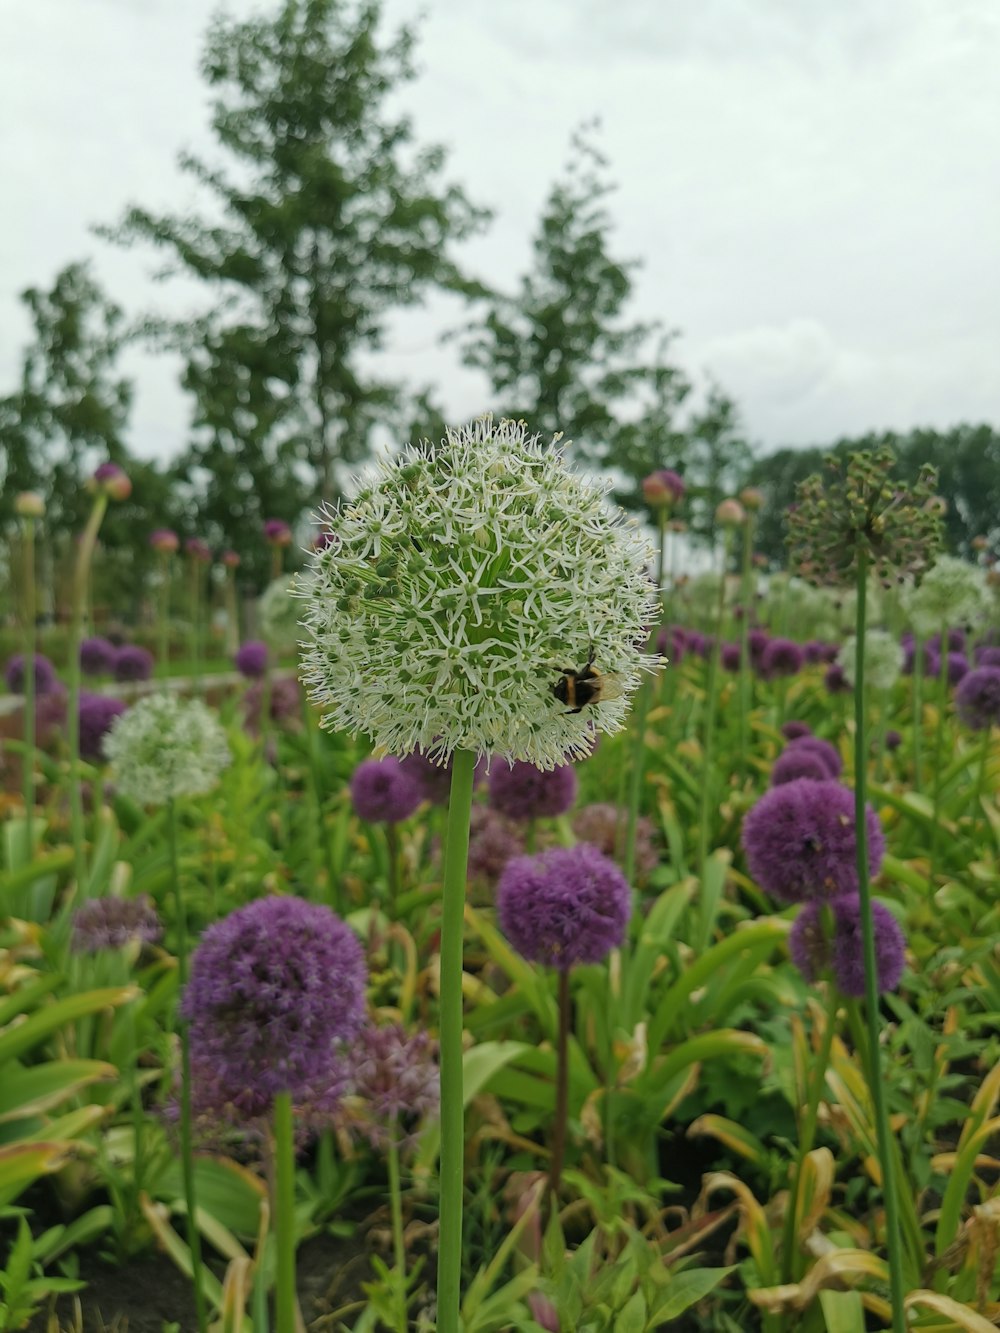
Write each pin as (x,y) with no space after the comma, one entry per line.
(513,929)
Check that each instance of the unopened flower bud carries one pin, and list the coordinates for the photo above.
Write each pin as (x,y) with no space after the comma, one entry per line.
(198,549)
(231,559)
(112,480)
(730,513)
(752,498)
(663,488)
(277,532)
(164,541)
(29,504)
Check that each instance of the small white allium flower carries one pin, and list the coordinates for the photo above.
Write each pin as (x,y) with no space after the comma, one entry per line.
(883,659)
(951,594)
(166,747)
(455,589)
(278,613)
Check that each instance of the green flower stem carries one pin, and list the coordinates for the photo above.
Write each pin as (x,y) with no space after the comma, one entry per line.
(883,1132)
(284,1213)
(195,637)
(942,692)
(187,1151)
(807,1134)
(163,628)
(30,634)
(398,1240)
(452,1099)
(392,854)
(661,557)
(232,613)
(708,744)
(323,832)
(80,576)
(977,799)
(918,713)
(635,777)
(746,598)
(562,1092)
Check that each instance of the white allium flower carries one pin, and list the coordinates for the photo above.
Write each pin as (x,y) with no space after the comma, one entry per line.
(165,747)
(883,659)
(459,584)
(278,613)
(951,594)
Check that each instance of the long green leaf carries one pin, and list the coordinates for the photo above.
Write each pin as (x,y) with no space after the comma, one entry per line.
(16,1040)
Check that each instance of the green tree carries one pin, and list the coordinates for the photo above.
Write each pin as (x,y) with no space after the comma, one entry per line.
(325,216)
(718,459)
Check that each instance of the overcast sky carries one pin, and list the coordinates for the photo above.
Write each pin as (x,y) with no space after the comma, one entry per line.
(814,189)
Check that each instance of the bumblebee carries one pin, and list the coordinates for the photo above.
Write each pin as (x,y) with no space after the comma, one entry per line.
(580,688)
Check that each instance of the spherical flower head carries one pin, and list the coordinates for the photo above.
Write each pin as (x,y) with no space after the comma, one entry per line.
(730,513)
(663,489)
(434,778)
(977,699)
(396,1084)
(231,559)
(278,614)
(46,680)
(953,592)
(955,638)
(835,680)
(114,923)
(730,655)
(463,583)
(132,663)
(493,841)
(752,498)
(164,541)
(29,504)
(565,906)
(883,659)
(814,953)
(165,747)
(758,640)
(781,657)
(601,826)
(198,550)
(793,730)
(893,739)
(277,532)
(97,715)
(828,754)
(112,481)
(274,989)
(285,704)
(384,792)
(97,656)
(250,659)
(800,843)
(987,655)
(521,791)
(795,763)
(958,667)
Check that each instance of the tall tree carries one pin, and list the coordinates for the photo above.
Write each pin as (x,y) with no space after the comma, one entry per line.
(324,216)
(718,459)
(562,353)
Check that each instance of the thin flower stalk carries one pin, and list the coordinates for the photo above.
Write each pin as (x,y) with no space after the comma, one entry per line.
(918,712)
(286,1304)
(30,636)
(163,628)
(746,601)
(708,743)
(562,1089)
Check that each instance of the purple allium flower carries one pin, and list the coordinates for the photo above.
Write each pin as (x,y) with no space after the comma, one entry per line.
(435,779)
(835,680)
(46,681)
(795,763)
(598,825)
(275,987)
(758,640)
(664,487)
(823,750)
(251,659)
(395,1084)
(730,656)
(956,641)
(493,841)
(96,656)
(695,642)
(198,549)
(522,791)
(781,657)
(812,954)
(893,740)
(977,699)
(277,532)
(164,540)
(958,668)
(987,655)
(813,651)
(800,844)
(929,658)
(114,923)
(111,479)
(284,703)
(384,792)
(133,663)
(794,731)
(97,712)
(564,906)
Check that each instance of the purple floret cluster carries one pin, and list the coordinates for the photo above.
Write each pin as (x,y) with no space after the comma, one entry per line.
(114,923)
(977,699)
(132,663)
(395,1084)
(275,989)
(813,953)
(46,680)
(97,713)
(384,791)
(250,659)
(521,791)
(97,656)
(435,779)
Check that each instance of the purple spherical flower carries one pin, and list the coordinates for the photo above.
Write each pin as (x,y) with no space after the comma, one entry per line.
(114,923)
(133,663)
(977,699)
(800,844)
(664,487)
(250,659)
(493,841)
(781,657)
(97,713)
(383,791)
(97,655)
(395,1084)
(794,731)
(435,779)
(955,638)
(758,640)
(522,791)
(823,750)
(835,680)
(813,651)
(565,906)
(958,668)
(601,826)
(284,699)
(112,480)
(695,642)
(729,656)
(893,740)
(274,989)
(987,655)
(795,763)
(277,532)
(46,680)
(812,952)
